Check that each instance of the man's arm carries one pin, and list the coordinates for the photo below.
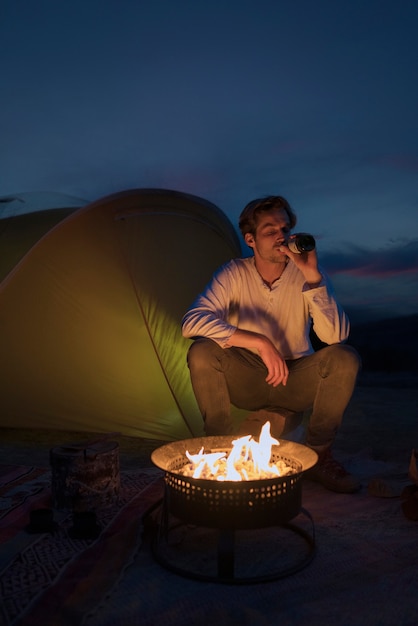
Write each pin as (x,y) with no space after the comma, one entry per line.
(276,366)
(331,323)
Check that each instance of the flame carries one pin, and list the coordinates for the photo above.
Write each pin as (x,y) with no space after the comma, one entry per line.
(247,460)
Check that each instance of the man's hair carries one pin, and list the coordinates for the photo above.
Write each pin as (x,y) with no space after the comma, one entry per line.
(248,219)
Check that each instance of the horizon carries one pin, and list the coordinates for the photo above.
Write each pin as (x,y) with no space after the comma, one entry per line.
(15,205)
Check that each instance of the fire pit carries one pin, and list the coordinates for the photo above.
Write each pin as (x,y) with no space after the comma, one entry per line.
(230,506)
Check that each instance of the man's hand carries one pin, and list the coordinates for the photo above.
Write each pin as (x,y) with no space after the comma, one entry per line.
(276,365)
(278,371)
(307,262)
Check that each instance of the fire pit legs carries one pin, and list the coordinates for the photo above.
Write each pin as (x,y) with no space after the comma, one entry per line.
(226,553)
(175,545)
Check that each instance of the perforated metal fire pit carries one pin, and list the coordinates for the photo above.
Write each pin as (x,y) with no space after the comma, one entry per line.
(231,506)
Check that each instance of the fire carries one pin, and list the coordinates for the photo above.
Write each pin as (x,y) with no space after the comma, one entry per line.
(247,460)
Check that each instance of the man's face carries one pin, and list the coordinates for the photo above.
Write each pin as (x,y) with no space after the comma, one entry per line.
(273,229)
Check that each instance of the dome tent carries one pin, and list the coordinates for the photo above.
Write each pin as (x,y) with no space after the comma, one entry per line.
(13,205)
(25,217)
(90,316)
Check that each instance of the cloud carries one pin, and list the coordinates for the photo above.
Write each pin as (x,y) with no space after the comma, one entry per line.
(357,261)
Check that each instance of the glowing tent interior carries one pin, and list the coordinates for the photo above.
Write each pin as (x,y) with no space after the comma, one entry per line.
(90,310)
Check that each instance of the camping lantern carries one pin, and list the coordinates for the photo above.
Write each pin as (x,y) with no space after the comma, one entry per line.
(85,477)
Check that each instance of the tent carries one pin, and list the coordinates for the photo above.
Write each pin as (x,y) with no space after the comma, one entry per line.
(90,313)
(25,217)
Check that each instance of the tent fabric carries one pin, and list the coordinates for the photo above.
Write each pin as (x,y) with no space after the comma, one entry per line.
(19,233)
(25,218)
(90,316)
(34,201)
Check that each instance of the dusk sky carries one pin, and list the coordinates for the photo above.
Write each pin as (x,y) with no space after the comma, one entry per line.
(229,100)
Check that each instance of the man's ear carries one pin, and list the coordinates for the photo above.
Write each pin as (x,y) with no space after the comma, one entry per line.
(249,240)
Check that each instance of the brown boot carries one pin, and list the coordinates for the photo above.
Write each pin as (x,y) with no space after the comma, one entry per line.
(332,474)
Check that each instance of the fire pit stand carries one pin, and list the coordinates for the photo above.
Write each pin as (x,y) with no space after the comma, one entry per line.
(214,531)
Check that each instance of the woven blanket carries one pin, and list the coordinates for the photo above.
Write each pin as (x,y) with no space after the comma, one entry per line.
(53,578)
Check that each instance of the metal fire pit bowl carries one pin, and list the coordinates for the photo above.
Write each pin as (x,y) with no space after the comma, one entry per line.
(228,513)
(231,504)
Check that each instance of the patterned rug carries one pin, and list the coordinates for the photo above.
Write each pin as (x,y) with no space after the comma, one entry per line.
(53,578)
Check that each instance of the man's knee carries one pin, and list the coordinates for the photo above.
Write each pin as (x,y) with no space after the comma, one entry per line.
(341,357)
(350,356)
(201,352)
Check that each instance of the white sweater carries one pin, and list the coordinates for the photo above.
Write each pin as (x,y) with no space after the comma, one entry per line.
(237,297)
